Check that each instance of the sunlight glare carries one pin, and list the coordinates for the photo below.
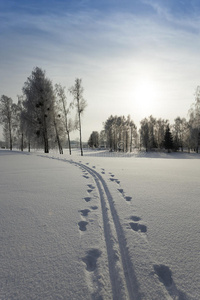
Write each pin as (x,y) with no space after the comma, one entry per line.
(146,96)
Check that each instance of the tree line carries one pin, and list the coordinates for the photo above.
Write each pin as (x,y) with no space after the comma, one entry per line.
(41,117)
(120,133)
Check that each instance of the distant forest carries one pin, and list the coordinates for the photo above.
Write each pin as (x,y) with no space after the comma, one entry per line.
(41,119)
(121,134)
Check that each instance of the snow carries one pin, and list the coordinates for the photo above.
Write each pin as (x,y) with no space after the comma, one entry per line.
(101,226)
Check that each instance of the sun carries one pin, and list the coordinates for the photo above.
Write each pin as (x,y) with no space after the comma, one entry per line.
(145,96)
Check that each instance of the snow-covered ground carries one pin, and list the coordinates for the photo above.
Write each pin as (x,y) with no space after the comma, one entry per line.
(101,226)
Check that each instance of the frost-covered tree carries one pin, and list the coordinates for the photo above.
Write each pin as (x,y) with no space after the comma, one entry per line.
(194,115)
(120,133)
(179,131)
(64,111)
(159,132)
(80,104)
(19,123)
(39,105)
(144,133)
(152,132)
(7,118)
(94,139)
(57,126)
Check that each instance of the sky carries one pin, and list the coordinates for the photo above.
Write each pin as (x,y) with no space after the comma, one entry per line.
(137,57)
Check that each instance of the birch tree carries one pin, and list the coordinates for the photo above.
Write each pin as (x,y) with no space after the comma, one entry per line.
(80,104)
(6,118)
(64,111)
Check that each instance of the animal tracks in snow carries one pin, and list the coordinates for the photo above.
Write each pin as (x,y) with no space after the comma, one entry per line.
(82,225)
(123,280)
(87,199)
(127,198)
(91,259)
(122,277)
(120,190)
(84,212)
(137,226)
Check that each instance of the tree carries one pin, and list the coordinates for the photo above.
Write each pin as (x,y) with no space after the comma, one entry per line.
(133,134)
(64,111)
(194,121)
(6,118)
(19,123)
(168,140)
(80,103)
(94,139)
(119,133)
(39,106)
(179,130)
(144,133)
(159,132)
(57,126)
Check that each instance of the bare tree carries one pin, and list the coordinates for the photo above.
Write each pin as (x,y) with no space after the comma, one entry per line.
(65,110)
(194,121)
(80,103)
(6,118)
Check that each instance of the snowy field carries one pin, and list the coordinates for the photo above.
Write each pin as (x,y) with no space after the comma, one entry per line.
(101,226)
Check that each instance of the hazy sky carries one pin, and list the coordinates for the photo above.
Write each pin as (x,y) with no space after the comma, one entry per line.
(137,57)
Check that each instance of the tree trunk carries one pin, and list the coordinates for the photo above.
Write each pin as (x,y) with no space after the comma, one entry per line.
(69,142)
(10,136)
(81,147)
(58,138)
(22,142)
(131,142)
(45,136)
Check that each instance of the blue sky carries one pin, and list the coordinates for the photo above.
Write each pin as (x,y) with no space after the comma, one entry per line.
(137,57)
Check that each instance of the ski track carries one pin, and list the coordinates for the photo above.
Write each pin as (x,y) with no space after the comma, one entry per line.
(121,271)
(122,276)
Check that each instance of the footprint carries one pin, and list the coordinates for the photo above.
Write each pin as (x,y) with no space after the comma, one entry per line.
(112,175)
(84,212)
(142,227)
(82,225)
(94,167)
(91,186)
(89,191)
(87,163)
(134,226)
(138,227)
(94,207)
(127,198)
(85,176)
(112,179)
(121,191)
(87,199)
(164,273)
(91,259)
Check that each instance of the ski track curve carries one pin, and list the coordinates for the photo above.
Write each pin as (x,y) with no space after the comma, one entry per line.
(122,276)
